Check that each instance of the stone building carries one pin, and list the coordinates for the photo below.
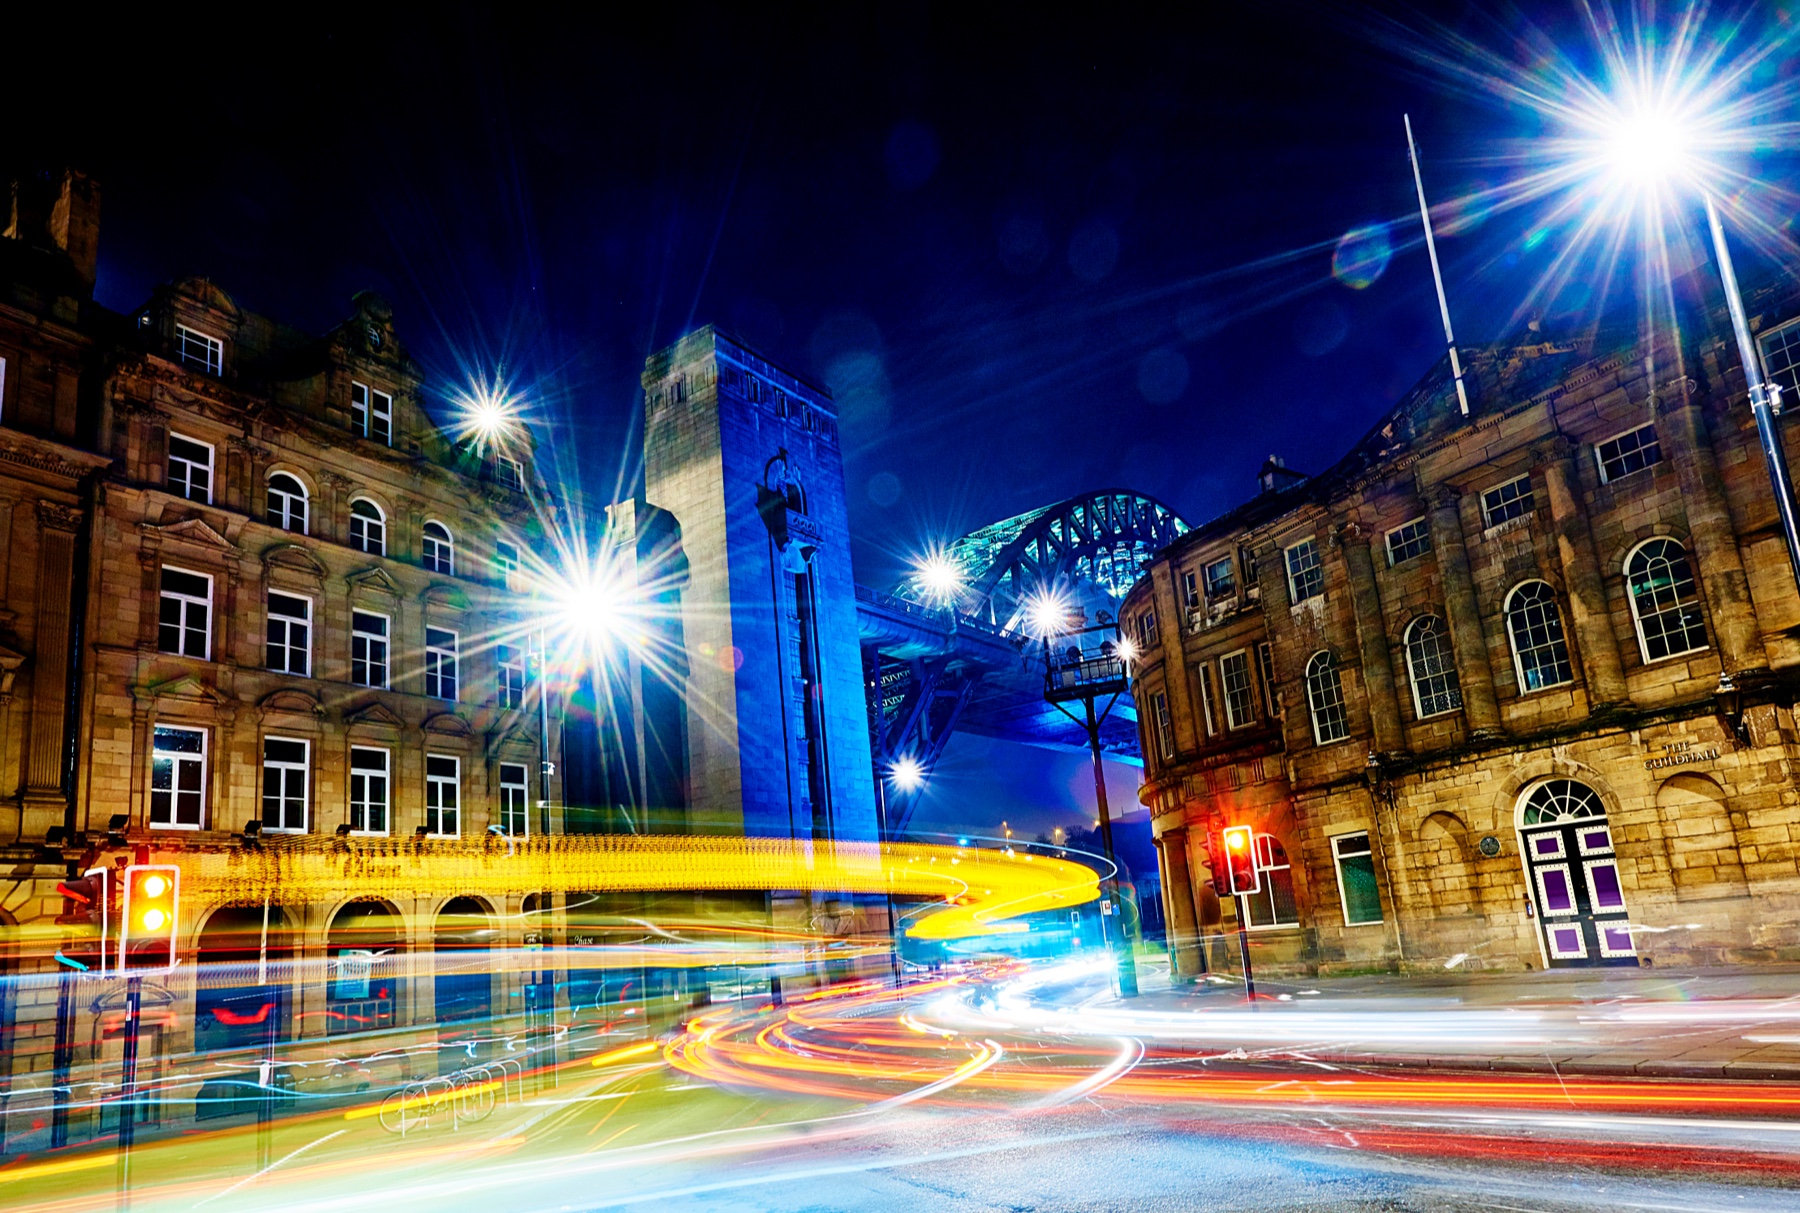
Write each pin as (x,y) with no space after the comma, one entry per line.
(1509,690)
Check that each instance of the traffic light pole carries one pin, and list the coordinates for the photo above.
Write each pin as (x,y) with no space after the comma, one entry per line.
(134,998)
(1244,951)
(1126,963)
(59,1080)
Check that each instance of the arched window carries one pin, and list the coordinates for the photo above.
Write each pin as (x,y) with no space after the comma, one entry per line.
(1272,905)
(1540,654)
(1665,602)
(287,503)
(368,527)
(1325,699)
(1561,800)
(1432,667)
(439,552)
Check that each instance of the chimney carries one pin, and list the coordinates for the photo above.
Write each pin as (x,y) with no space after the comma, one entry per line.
(74,224)
(1276,475)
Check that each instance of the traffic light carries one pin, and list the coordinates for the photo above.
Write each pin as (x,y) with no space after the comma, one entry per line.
(1240,860)
(151,917)
(87,904)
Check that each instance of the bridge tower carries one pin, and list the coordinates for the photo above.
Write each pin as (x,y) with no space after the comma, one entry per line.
(745,456)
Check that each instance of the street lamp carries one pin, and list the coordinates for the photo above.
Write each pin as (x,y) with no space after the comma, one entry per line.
(938,577)
(907,774)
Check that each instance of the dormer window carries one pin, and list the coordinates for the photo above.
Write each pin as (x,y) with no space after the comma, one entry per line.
(199,350)
(372,413)
(509,472)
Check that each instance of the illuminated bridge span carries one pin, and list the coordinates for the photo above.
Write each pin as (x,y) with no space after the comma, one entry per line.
(931,669)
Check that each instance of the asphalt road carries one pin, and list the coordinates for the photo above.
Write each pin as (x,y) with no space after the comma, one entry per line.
(863,1101)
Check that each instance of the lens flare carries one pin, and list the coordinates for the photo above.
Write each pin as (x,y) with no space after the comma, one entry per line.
(907,774)
(938,578)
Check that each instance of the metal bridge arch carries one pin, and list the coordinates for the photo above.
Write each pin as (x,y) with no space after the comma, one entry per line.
(1101,537)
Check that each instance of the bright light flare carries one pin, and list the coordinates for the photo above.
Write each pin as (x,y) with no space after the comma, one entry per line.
(488,413)
(1648,146)
(590,607)
(1127,649)
(907,774)
(938,577)
(1048,613)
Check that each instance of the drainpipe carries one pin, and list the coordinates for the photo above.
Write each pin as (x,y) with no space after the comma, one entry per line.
(78,596)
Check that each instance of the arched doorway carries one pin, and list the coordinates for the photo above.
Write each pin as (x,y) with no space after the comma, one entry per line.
(240,999)
(363,945)
(1573,873)
(464,984)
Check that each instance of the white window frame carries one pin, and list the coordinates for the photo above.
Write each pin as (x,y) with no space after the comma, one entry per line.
(1191,599)
(1337,863)
(206,604)
(1448,646)
(1242,657)
(1512,640)
(212,361)
(212,459)
(287,644)
(1312,701)
(1165,726)
(304,766)
(385,639)
(1147,633)
(1206,579)
(379,522)
(506,559)
(369,405)
(511,659)
(1789,334)
(1412,525)
(1528,495)
(443,559)
(522,787)
(1287,568)
(1263,857)
(506,463)
(176,760)
(442,664)
(1600,460)
(1206,696)
(434,789)
(359,782)
(1637,616)
(304,500)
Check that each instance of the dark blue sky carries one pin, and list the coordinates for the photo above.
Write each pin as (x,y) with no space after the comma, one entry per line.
(1032,253)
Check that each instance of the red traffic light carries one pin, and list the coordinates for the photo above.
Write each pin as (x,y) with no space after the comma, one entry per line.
(1240,860)
(151,917)
(87,904)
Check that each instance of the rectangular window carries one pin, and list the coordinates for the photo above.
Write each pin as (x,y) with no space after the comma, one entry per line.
(178,778)
(190,469)
(1781,359)
(1234,678)
(1206,699)
(1510,500)
(440,663)
(284,785)
(198,350)
(513,817)
(290,634)
(1632,451)
(368,649)
(506,560)
(443,795)
(1190,591)
(1165,728)
(509,472)
(372,413)
(1408,540)
(1356,879)
(1265,672)
(1306,578)
(185,623)
(1219,580)
(368,790)
(1147,631)
(512,675)
(2,381)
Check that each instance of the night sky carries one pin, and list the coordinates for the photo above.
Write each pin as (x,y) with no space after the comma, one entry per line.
(1032,254)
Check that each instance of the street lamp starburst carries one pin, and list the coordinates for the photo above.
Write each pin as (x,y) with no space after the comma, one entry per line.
(938,577)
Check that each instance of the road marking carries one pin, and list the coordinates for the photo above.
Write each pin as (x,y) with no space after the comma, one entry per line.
(253,1178)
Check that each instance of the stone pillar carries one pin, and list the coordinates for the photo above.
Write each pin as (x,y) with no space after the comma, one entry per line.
(1371,640)
(1178,903)
(1596,643)
(1480,706)
(1719,565)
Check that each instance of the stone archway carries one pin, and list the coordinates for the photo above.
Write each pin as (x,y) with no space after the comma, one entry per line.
(1573,876)
(1699,838)
(364,944)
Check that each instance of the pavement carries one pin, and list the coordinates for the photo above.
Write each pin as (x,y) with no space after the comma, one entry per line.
(1661,1023)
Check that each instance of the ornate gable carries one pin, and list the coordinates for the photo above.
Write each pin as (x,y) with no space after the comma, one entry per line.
(293,556)
(374,712)
(376,579)
(447,724)
(192,530)
(292,701)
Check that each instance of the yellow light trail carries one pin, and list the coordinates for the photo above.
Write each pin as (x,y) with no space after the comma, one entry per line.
(982,891)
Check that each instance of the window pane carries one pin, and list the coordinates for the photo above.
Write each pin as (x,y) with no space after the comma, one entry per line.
(1436,689)
(1306,579)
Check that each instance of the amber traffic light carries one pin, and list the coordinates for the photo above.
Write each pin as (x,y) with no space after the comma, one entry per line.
(151,917)
(1240,860)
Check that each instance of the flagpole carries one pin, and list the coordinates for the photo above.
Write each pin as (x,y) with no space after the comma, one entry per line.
(1437,275)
